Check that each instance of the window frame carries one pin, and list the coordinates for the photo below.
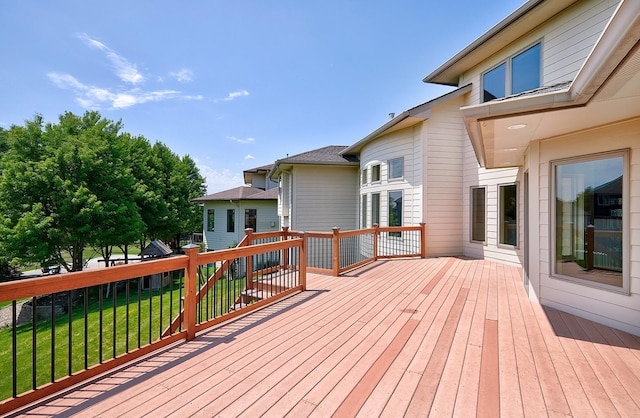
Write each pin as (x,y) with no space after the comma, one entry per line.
(375,173)
(375,215)
(211,220)
(247,215)
(626,197)
(501,215)
(363,211)
(231,220)
(389,168)
(395,234)
(472,222)
(508,77)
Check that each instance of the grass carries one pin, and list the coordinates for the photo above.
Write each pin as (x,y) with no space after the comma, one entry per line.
(144,326)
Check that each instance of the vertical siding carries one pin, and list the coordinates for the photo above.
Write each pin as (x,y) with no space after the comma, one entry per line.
(604,306)
(324,197)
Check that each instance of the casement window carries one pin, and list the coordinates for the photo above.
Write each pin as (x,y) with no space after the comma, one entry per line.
(375,173)
(395,211)
(363,211)
(375,208)
(519,73)
(364,176)
(231,220)
(478,214)
(211,217)
(589,206)
(396,168)
(508,214)
(250,218)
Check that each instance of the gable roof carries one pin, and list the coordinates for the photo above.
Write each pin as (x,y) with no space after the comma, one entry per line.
(329,155)
(247,174)
(240,193)
(406,119)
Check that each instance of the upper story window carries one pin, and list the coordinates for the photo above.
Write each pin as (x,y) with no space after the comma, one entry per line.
(396,168)
(519,73)
(375,173)
(364,176)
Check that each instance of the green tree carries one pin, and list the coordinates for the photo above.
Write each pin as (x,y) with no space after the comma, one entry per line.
(64,187)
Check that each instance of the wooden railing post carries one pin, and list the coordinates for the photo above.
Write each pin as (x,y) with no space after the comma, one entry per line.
(423,240)
(303,262)
(284,264)
(376,231)
(190,290)
(249,234)
(336,251)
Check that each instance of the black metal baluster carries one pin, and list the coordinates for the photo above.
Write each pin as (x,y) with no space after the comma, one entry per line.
(161,297)
(101,320)
(34,340)
(86,328)
(126,321)
(70,337)
(150,307)
(53,337)
(14,348)
(139,309)
(113,339)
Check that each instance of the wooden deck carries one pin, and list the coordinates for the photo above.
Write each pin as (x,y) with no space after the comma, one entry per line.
(439,337)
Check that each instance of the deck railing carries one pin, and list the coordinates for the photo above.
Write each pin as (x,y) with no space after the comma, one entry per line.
(64,329)
(339,251)
(67,328)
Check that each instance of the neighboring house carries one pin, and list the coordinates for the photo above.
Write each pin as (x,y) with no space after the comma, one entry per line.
(553,119)
(227,214)
(318,190)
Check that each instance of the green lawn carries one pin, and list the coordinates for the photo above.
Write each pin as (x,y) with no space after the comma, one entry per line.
(144,308)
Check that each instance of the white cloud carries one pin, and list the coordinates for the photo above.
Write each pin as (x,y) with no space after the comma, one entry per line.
(127,71)
(233,95)
(249,157)
(219,180)
(92,97)
(183,76)
(241,140)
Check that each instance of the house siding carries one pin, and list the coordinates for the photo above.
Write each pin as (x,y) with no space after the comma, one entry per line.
(444,139)
(325,197)
(407,144)
(219,239)
(612,308)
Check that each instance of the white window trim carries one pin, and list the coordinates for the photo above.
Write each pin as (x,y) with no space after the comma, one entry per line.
(507,61)
(518,220)
(389,178)
(626,246)
(486,202)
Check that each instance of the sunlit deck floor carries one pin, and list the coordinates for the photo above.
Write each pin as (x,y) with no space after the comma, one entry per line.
(435,337)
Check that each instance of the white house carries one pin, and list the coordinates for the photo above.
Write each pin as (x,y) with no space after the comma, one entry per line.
(227,214)
(318,190)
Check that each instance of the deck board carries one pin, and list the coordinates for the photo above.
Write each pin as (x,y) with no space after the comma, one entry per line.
(441,337)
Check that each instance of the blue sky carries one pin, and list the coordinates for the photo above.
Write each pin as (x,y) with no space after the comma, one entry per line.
(234,84)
